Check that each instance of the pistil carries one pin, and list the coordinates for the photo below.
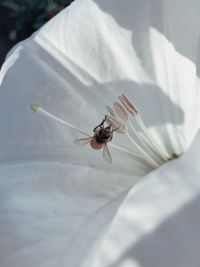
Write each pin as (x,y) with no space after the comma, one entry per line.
(42,111)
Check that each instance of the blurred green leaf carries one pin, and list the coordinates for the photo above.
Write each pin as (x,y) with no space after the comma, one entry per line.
(30,15)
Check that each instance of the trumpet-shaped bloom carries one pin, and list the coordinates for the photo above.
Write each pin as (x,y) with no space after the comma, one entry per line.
(62,205)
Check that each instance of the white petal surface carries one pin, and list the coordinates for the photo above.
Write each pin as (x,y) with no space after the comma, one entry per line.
(158,222)
(48,207)
(58,199)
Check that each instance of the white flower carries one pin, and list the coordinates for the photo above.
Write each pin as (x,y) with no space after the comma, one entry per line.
(62,205)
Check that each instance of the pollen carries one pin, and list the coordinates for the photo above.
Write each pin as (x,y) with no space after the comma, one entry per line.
(128,105)
(133,127)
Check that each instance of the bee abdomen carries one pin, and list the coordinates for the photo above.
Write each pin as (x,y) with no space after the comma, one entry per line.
(95,145)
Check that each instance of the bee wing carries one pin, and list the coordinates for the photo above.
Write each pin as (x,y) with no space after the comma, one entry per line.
(106,154)
(82,141)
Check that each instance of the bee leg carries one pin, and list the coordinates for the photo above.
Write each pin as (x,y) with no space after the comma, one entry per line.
(95,129)
(100,125)
(115,129)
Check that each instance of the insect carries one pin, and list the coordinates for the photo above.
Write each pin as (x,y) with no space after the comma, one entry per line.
(102,135)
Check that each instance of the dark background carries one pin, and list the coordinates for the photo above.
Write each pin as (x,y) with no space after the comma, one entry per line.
(20,18)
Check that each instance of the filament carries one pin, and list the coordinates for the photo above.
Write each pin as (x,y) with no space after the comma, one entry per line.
(124,150)
(144,141)
(161,151)
(151,161)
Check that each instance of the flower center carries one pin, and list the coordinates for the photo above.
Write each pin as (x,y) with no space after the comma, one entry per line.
(124,118)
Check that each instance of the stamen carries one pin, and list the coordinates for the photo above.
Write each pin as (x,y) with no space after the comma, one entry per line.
(154,153)
(131,153)
(151,161)
(110,111)
(160,150)
(128,105)
(119,121)
(146,145)
(121,112)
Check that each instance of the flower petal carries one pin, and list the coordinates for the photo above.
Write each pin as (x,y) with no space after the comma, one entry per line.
(160,211)
(75,65)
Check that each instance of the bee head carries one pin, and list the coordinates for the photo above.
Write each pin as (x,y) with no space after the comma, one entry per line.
(108,129)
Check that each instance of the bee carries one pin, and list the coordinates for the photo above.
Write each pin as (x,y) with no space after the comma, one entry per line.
(102,135)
